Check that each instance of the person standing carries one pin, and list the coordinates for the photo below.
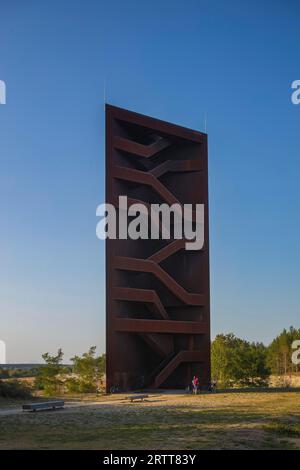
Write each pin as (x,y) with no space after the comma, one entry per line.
(195,383)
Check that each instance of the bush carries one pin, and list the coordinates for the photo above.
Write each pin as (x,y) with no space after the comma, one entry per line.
(14,389)
(236,362)
(72,385)
(89,370)
(48,377)
(77,385)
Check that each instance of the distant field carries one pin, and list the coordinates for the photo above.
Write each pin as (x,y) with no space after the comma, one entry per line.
(216,421)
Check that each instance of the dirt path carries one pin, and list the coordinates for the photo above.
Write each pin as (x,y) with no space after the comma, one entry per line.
(68,405)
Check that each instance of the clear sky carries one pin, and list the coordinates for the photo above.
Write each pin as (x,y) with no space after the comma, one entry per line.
(177,60)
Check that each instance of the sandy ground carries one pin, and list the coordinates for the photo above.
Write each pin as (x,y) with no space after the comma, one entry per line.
(163,421)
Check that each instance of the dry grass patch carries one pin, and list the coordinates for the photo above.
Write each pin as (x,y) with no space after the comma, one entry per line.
(216,421)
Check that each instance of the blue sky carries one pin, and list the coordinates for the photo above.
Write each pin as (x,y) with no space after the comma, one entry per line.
(178,61)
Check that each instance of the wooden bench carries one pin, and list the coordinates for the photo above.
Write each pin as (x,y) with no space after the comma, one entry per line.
(47,405)
(140,397)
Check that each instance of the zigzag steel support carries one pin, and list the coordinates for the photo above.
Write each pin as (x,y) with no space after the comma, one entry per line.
(148,266)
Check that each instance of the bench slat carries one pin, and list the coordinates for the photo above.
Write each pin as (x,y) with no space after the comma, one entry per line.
(137,397)
(43,405)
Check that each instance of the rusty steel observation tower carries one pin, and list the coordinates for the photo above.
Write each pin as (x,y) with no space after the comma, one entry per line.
(157,292)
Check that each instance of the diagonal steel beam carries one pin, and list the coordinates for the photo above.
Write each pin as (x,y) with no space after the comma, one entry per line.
(141,295)
(148,266)
(146,151)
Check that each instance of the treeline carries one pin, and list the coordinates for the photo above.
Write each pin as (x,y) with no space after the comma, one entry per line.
(280,352)
(18,373)
(236,362)
(84,375)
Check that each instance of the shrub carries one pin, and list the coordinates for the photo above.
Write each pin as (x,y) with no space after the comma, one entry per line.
(15,389)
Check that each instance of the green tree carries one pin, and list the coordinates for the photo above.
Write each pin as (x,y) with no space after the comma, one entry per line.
(280,352)
(88,372)
(236,362)
(49,377)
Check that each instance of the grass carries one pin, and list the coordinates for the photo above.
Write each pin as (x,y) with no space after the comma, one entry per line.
(10,402)
(216,421)
(284,429)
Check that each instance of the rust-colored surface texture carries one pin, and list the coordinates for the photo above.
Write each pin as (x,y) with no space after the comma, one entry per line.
(157,292)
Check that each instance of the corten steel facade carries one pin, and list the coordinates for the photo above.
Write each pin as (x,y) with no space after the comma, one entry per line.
(157,293)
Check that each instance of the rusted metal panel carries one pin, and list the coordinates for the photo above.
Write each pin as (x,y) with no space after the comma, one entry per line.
(157,293)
